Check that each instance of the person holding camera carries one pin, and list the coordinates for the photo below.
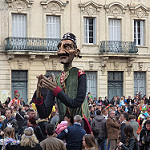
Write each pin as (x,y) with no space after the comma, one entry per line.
(130,141)
(145,136)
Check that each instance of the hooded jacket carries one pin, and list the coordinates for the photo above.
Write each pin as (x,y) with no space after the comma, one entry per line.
(99,124)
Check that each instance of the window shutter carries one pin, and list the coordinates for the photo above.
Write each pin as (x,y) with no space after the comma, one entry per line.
(118,31)
(114,30)
(142,32)
(53,27)
(110,29)
(136,24)
(18,25)
(85,30)
(94,30)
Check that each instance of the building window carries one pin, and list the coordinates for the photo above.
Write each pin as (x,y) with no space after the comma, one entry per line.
(91,78)
(90,30)
(19,25)
(139,32)
(114,30)
(53,26)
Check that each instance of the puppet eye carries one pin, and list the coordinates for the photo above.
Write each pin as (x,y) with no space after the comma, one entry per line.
(59,45)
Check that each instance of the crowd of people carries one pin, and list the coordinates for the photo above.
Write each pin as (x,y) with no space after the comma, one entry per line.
(118,123)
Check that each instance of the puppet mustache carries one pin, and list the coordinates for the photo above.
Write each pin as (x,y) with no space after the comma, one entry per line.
(65,54)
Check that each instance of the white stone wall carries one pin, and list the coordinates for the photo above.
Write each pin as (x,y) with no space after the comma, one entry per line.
(72,21)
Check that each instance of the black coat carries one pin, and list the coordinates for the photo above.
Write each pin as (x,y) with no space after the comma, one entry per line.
(37,147)
(132,145)
(144,139)
(11,121)
(20,119)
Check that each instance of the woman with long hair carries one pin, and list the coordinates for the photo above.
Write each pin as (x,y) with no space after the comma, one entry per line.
(9,137)
(89,142)
(130,143)
(29,141)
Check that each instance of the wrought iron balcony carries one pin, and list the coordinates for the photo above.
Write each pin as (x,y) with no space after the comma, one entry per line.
(121,47)
(31,44)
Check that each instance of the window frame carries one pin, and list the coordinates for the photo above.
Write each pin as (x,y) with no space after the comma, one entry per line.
(142,32)
(59,24)
(86,32)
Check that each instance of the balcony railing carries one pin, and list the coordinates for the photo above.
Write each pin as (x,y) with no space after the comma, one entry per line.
(121,47)
(31,44)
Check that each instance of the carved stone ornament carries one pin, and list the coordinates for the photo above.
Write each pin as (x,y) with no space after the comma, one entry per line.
(91,64)
(115,9)
(130,62)
(104,63)
(116,65)
(54,64)
(90,8)
(140,66)
(130,65)
(139,10)
(20,64)
(10,57)
(31,58)
(54,6)
(19,5)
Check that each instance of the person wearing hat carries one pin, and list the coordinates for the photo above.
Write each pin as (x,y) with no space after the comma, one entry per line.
(69,87)
(15,102)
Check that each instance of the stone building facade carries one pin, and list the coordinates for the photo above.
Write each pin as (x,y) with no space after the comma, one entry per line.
(113,36)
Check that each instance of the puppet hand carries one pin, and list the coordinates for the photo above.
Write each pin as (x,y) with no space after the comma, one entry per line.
(39,86)
(49,83)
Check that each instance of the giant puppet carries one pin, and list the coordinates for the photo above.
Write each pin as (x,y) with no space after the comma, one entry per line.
(69,87)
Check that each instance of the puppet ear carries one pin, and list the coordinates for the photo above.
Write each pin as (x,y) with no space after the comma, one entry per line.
(78,53)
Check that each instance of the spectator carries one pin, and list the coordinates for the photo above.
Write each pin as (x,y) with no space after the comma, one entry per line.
(99,124)
(22,103)
(9,137)
(115,101)
(69,119)
(89,142)
(112,130)
(55,118)
(61,126)
(134,124)
(29,141)
(29,113)
(105,112)
(148,111)
(7,101)
(73,135)
(15,101)
(20,120)
(26,107)
(100,101)
(106,101)
(36,128)
(92,111)
(9,121)
(52,143)
(42,123)
(131,143)
(124,122)
(145,136)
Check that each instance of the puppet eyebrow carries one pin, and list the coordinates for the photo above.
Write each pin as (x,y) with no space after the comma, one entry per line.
(68,44)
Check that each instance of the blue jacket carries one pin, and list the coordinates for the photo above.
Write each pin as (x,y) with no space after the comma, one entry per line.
(73,135)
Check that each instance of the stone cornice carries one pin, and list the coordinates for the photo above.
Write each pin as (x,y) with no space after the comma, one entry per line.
(139,10)
(90,7)
(116,9)
(28,2)
(61,4)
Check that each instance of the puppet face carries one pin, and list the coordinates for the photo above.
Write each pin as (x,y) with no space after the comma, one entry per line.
(67,51)
(17,95)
